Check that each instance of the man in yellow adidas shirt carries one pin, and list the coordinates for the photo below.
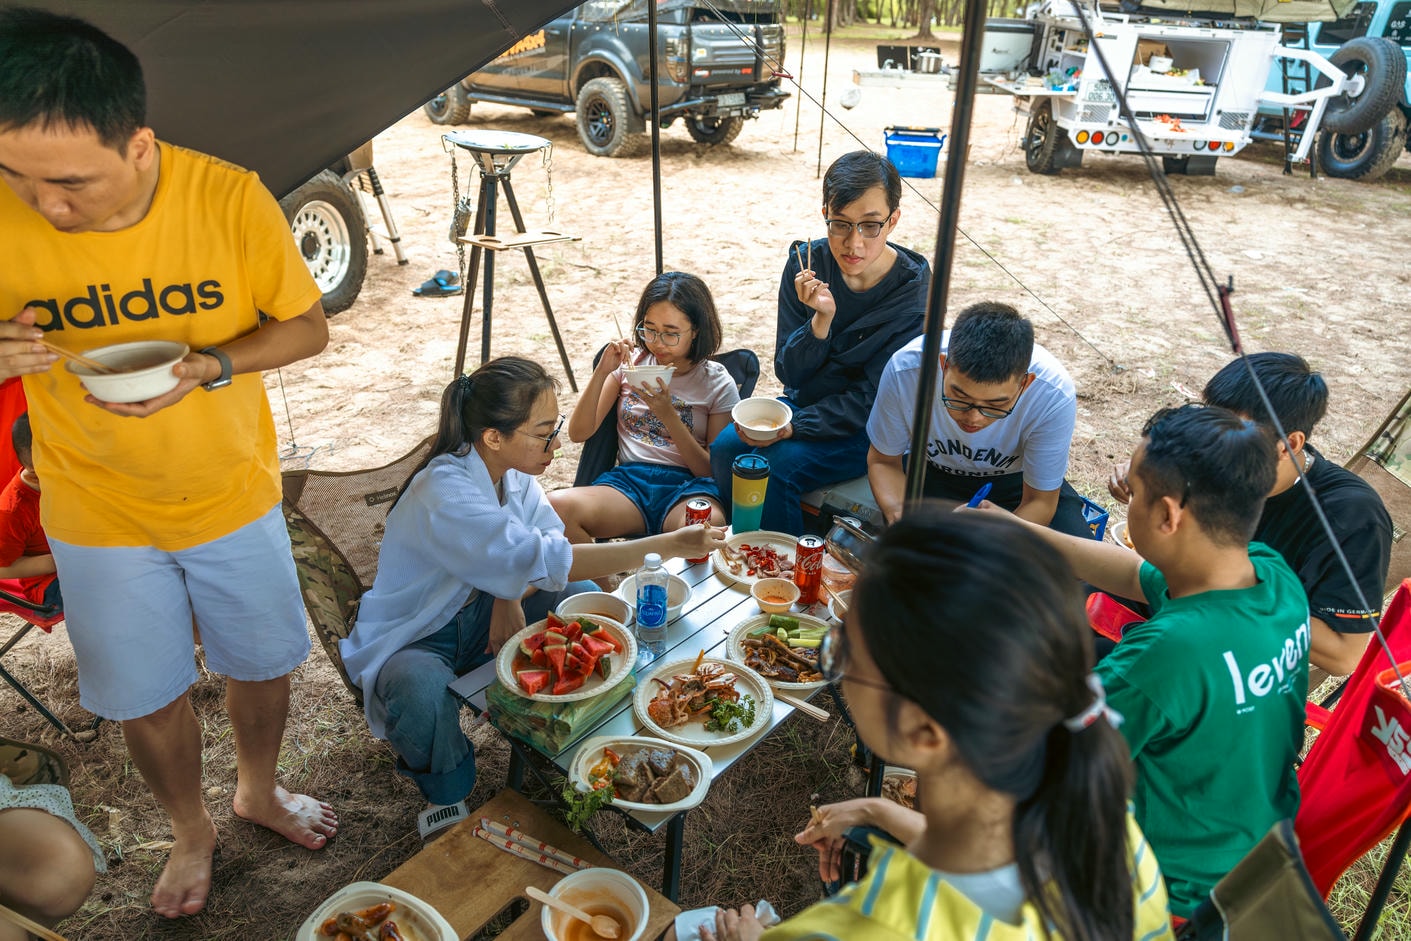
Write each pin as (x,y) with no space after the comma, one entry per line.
(166,510)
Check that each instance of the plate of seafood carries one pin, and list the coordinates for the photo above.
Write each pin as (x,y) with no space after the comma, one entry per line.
(788,662)
(703,701)
(648,774)
(371,909)
(748,557)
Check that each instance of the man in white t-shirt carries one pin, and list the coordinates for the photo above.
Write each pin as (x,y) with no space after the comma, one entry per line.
(1003,416)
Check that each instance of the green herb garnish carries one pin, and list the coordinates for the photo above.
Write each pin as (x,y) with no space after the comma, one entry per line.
(727,716)
(578,806)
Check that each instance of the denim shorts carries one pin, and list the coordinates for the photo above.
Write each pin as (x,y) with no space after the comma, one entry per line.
(655,488)
(130,608)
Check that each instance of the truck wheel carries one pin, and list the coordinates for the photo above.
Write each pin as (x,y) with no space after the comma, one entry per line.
(1365,156)
(606,123)
(1041,140)
(452,106)
(330,229)
(714,130)
(1382,66)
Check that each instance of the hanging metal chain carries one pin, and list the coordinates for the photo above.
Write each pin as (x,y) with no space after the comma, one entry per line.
(549,182)
(461,207)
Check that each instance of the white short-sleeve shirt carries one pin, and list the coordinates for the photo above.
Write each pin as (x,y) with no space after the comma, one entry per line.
(1033,439)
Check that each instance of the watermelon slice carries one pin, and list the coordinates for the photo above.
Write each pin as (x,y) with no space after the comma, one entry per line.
(580,661)
(552,636)
(539,658)
(596,646)
(574,630)
(557,653)
(555,623)
(603,634)
(567,684)
(532,681)
(532,643)
(605,666)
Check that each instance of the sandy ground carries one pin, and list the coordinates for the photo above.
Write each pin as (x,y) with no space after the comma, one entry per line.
(1320,267)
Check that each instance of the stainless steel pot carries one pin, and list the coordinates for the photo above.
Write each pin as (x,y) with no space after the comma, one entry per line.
(926,62)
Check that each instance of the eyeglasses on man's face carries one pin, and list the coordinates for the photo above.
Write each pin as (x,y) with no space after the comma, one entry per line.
(987,411)
(649,335)
(550,437)
(833,660)
(841,229)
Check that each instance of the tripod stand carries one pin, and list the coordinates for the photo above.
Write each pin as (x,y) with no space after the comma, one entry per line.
(496,153)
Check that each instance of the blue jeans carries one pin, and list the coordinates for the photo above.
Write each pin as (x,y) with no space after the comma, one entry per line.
(423,716)
(796,466)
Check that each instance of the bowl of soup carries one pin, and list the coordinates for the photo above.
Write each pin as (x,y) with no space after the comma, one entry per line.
(141,371)
(597,891)
(775,595)
(596,604)
(762,418)
(645,377)
(678,592)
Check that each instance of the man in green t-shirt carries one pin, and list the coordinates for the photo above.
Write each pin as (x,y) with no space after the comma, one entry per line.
(1211,687)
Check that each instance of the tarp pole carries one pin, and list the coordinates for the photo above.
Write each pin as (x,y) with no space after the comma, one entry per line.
(656,129)
(823,96)
(971,39)
(798,79)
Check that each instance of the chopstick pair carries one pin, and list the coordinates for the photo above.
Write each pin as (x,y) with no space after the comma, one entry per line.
(33,927)
(87,362)
(798,253)
(522,844)
(807,708)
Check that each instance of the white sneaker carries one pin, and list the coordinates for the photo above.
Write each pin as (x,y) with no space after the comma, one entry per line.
(437,817)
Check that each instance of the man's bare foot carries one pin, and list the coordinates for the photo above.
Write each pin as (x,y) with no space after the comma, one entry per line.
(186,880)
(298,818)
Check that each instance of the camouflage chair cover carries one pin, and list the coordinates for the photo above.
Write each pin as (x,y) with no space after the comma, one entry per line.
(336,520)
(24,764)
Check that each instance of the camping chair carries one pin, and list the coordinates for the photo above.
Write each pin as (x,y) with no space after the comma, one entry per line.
(24,763)
(1356,778)
(33,615)
(1267,895)
(335,521)
(600,450)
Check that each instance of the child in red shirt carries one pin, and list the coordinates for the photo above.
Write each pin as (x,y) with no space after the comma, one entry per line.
(26,566)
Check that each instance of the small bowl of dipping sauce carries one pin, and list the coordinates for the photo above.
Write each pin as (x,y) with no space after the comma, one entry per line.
(775,595)
(597,891)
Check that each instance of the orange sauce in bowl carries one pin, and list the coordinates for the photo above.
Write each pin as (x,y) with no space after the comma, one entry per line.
(766,424)
(571,929)
(776,599)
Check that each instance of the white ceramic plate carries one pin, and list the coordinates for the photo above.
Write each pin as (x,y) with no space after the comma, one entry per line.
(693,733)
(593,686)
(782,543)
(735,645)
(416,918)
(591,752)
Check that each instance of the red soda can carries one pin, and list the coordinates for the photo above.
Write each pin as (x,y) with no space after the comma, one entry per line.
(697,511)
(808,568)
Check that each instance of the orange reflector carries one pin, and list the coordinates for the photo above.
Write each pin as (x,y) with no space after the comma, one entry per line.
(1229,146)
(1081,137)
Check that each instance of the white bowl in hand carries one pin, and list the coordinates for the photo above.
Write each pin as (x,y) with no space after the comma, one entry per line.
(143,370)
(762,418)
(645,377)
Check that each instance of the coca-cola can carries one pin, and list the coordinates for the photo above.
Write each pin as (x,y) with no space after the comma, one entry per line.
(808,568)
(698,510)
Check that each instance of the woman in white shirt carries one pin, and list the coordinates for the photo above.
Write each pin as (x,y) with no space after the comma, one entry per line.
(664,428)
(471,554)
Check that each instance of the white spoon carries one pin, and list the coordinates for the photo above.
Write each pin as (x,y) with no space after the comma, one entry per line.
(604,925)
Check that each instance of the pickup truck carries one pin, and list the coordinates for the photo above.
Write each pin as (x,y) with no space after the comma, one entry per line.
(719,63)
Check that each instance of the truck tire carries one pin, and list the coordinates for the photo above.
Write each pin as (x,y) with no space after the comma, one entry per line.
(606,123)
(330,229)
(714,130)
(1382,66)
(1366,156)
(452,106)
(1041,140)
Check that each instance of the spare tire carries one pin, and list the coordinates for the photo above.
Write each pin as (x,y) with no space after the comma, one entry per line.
(1366,156)
(1382,66)
(331,232)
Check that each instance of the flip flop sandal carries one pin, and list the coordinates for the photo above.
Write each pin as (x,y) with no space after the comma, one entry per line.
(443,283)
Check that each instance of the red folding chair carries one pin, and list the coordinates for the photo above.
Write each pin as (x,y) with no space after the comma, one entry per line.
(1356,779)
(34,615)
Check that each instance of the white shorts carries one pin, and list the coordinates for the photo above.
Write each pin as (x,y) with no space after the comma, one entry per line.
(129,611)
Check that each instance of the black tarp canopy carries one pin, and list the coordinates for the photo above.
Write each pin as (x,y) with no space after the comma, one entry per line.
(286,87)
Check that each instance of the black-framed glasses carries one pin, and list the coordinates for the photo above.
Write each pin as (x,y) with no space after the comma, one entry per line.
(649,335)
(841,229)
(549,438)
(833,660)
(988,411)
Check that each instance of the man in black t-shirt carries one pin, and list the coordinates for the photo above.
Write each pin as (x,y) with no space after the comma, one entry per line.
(1340,621)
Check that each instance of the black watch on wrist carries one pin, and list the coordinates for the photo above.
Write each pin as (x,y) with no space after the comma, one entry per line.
(223,380)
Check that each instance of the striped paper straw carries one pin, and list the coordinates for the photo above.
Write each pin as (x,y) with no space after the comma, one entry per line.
(529,842)
(523,852)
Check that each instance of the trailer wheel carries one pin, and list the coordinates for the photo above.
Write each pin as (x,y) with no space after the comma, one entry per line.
(714,130)
(1382,66)
(1041,140)
(450,107)
(606,124)
(1194,165)
(1366,156)
(330,230)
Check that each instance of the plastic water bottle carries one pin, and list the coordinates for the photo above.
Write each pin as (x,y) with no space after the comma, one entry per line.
(651,610)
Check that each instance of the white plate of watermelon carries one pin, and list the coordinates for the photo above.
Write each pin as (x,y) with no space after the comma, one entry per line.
(556,660)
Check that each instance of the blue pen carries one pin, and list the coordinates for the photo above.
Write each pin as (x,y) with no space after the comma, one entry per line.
(980,495)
